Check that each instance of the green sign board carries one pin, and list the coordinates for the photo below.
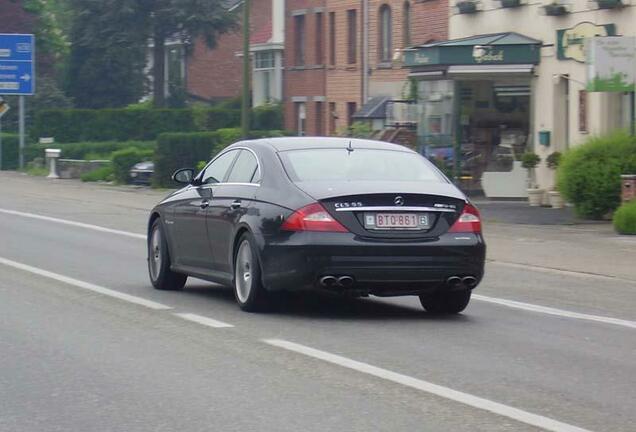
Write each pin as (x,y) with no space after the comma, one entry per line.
(571,41)
(611,64)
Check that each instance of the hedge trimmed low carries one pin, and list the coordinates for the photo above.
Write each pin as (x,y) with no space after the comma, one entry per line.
(75,125)
(10,156)
(123,161)
(589,175)
(179,150)
(625,218)
(87,150)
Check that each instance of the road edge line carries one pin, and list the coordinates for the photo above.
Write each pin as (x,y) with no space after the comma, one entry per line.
(200,319)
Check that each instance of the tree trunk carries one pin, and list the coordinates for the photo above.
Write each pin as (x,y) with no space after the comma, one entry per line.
(159,70)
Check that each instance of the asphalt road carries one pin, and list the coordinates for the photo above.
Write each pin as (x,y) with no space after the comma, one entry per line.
(75,357)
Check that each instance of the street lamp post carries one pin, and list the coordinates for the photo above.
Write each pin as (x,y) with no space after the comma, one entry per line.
(245,109)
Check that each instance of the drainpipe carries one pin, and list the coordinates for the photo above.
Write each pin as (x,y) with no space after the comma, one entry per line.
(365,51)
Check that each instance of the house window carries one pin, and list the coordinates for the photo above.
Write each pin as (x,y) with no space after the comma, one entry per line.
(352,107)
(406,25)
(332,118)
(301,118)
(385,29)
(319,119)
(352,36)
(264,60)
(299,40)
(320,55)
(332,38)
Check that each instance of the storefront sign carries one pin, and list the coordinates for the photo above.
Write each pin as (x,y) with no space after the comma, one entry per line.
(611,64)
(473,55)
(571,42)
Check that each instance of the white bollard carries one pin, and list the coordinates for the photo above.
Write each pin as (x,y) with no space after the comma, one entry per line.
(52,155)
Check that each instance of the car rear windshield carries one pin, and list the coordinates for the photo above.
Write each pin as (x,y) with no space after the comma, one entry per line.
(358,165)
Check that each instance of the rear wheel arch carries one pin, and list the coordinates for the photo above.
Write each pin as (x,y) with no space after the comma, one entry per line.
(243,229)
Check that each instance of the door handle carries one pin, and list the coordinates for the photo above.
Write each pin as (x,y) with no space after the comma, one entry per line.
(205,204)
(236,205)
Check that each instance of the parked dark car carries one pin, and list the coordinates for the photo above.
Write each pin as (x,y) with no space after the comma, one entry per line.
(355,216)
(142,173)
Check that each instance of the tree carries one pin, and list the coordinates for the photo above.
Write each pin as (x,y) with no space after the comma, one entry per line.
(108,47)
(186,20)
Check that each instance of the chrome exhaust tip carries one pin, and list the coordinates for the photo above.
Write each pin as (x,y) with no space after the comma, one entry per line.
(470,281)
(454,281)
(328,281)
(345,281)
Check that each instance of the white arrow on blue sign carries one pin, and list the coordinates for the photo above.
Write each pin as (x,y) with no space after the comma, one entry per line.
(17,55)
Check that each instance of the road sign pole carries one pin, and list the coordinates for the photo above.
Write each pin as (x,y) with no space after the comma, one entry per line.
(21,127)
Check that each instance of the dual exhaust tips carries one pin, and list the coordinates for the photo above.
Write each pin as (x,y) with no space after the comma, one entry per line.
(333,281)
(467,281)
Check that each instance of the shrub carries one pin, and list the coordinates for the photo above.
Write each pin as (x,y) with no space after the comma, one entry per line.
(589,175)
(104,173)
(530,160)
(625,218)
(10,145)
(553,160)
(87,150)
(75,125)
(267,117)
(123,161)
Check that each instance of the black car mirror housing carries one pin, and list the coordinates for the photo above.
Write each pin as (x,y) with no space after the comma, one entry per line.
(183,176)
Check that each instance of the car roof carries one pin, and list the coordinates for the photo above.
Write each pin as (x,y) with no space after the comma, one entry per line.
(296,143)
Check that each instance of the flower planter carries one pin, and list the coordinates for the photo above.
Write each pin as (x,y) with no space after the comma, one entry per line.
(609,4)
(555,199)
(555,9)
(466,7)
(535,197)
(510,3)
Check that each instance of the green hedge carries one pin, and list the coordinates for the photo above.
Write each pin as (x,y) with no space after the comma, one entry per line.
(87,150)
(10,156)
(267,117)
(179,150)
(589,175)
(75,125)
(625,218)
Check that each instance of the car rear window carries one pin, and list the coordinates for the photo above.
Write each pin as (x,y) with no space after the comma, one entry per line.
(357,165)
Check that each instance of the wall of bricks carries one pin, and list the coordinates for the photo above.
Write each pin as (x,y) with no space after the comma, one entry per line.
(216,73)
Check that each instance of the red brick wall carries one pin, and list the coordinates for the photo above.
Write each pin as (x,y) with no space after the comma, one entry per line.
(308,81)
(217,73)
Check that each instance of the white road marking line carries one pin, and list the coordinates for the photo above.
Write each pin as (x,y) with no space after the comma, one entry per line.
(203,320)
(428,387)
(73,223)
(557,312)
(560,272)
(85,285)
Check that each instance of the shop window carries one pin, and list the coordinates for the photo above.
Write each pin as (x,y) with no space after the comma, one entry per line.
(319,39)
(299,40)
(352,36)
(385,34)
(406,25)
(332,38)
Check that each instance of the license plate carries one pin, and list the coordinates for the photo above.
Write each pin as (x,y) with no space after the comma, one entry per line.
(408,221)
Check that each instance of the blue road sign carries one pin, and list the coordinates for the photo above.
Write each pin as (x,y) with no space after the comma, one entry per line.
(17,72)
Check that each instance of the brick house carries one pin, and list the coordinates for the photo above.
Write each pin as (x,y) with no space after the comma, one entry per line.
(328,95)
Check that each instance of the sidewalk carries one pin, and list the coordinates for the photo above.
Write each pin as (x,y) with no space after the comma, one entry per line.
(519,212)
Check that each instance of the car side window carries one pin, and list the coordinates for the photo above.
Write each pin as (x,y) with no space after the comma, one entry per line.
(244,169)
(217,170)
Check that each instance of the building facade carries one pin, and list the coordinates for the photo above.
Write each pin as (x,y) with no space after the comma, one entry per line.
(512,78)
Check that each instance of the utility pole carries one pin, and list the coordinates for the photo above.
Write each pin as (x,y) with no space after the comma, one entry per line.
(245,108)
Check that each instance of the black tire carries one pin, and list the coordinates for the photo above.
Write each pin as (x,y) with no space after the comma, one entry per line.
(161,276)
(249,291)
(446,302)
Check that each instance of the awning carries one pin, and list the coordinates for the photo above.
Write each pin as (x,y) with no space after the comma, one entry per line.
(492,49)
(489,69)
(375,108)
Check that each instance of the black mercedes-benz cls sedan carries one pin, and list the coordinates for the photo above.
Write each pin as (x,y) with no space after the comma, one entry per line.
(346,215)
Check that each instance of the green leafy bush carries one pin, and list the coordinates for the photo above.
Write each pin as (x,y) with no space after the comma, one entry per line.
(267,117)
(76,125)
(10,145)
(625,218)
(553,160)
(104,173)
(87,150)
(123,161)
(589,175)
(180,150)
(530,160)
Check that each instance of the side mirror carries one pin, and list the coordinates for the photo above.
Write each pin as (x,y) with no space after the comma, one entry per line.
(183,176)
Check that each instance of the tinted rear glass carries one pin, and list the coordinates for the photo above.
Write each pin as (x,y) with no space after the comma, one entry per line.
(358,165)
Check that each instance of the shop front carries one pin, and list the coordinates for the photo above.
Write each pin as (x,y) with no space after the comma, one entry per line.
(475,98)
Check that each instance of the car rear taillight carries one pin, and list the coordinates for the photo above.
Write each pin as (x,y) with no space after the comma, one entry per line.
(313,217)
(469,221)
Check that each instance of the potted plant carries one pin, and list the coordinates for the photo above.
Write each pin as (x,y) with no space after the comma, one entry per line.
(609,4)
(530,160)
(510,3)
(554,197)
(555,9)
(466,6)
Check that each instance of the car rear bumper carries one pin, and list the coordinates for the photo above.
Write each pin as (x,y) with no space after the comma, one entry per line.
(300,260)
